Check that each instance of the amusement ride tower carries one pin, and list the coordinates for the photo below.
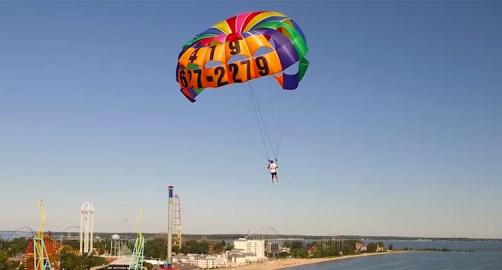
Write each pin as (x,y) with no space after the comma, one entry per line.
(169,262)
(40,255)
(86,227)
(177,221)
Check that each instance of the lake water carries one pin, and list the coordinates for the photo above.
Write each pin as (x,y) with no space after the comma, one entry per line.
(486,255)
(451,245)
(419,260)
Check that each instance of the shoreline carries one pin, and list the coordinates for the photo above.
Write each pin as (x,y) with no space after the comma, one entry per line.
(293,262)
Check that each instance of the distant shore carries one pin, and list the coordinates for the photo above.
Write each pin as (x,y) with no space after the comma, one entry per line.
(290,262)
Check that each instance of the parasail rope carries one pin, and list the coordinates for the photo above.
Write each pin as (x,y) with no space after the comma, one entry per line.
(264,132)
(262,136)
(308,206)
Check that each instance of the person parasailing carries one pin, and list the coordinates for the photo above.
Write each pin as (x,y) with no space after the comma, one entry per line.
(244,35)
(272,168)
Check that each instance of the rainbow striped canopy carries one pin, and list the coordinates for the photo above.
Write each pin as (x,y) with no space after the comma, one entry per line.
(209,60)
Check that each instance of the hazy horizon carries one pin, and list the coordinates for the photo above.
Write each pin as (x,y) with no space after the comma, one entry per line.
(96,233)
(395,129)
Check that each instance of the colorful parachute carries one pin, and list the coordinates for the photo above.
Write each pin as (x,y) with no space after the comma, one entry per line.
(209,59)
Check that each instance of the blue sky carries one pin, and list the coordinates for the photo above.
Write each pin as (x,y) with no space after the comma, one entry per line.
(395,130)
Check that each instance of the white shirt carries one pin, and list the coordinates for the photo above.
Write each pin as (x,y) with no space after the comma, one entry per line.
(272,167)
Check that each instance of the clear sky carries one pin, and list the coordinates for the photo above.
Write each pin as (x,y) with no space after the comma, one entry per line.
(396,128)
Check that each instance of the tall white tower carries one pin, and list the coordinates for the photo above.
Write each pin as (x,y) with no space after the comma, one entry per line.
(86,227)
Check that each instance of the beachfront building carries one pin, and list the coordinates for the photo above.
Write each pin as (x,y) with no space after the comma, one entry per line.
(276,248)
(236,257)
(203,261)
(272,248)
(244,252)
(361,246)
(331,243)
(256,247)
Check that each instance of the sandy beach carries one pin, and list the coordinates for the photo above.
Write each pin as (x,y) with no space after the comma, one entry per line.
(290,262)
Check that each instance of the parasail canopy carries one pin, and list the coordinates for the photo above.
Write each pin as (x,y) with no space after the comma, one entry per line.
(242,48)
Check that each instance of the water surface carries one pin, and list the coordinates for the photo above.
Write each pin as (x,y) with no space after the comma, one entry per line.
(418,260)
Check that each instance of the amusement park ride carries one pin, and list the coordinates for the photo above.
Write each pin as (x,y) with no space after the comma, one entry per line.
(139,246)
(177,221)
(42,248)
(40,256)
(170,205)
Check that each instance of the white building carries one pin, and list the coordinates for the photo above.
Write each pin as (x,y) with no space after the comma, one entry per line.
(203,261)
(255,247)
(244,252)
(236,257)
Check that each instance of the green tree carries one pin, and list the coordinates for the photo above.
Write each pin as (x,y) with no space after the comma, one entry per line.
(4,260)
(297,244)
(74,244)
(71,261)
(92,261)
(286,244)
(299,253)
(16,246)
(194,246)
(282,255)
(372,247)
(320,252)
(156,248)
(229,246)
(218,247)
(297,248)
(349,247)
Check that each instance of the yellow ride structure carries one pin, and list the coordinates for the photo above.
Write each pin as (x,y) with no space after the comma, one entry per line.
(41,259)
(138,256)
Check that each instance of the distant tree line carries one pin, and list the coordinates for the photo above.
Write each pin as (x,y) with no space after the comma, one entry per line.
(14,247)
(6,263)
(69,259)
(10,249)
(299,249)
(157,248)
